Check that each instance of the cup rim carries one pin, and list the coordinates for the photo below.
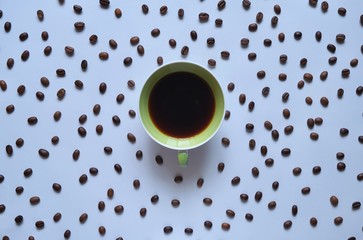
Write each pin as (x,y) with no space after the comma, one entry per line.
(176,147)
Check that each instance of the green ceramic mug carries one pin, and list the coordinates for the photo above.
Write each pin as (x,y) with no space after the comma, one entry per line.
(181,107)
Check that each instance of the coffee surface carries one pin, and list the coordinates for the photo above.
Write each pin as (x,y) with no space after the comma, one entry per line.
(181,104)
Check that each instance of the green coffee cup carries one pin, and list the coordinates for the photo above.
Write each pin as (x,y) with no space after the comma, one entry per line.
(181,107)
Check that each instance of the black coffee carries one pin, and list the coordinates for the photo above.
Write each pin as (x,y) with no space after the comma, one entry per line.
(181,104)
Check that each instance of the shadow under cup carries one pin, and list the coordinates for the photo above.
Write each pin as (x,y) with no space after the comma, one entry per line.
(181,143)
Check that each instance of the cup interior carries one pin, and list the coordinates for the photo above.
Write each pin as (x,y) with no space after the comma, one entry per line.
(173,142)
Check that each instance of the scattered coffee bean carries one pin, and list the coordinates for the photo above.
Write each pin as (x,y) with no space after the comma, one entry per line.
(44,35)
(340,155)
(242,98)
(245,42)
(275,185)
(83,218)
(39,224)
(34,200)
(269,162)
(285,97)
(83,179)
(251,106)
(324,101)
(102,229)
(344,132)
(249,127)
(268,125)
(340,38)
(244,197)
(78,84)
(281,37)
(93,39)
(305,190)
(316,170)
(103,56)
(40,14)
(261,74)
(275,134)
(96,109)
(57,187)
(18,220)
(168,229)
(221,4)
(25,55)
(225,141)
(342,11)
(253,27)
(163,9)
(300,84)
(338,220)
(265,91)
(154,199)
(318,35)
(288,129)
(119,209)
(172,43)
(263,150)
(10,63)
(110,193)
(294,210)
(200,182)
(218,22)
(184,51)
(175,203)
(159,160)
(116,120)
(180,13)
(10,108)
(324,6)
(283,58)
(313,222)
(155,32)
(258,196)
(318,121)
(227,114)
(252,56)
(331,48)
(131,137)
(208,224)
(101,206)
(287,224)
(102,87)
(341,166)
(159,60)
(143,212)
(296,171)
(211,62)
(356,205)
(285,152)
(140,50)
(252,144)
(55,140)
(354,62)
(77,9)
(314,136)
(23,36)
(345,73)
(193,35)
(7,26)
(310,123)
(104,3)
(211,41)
(303,62)
(267,42)
(297,35)
(360,139)
(332,60)
(61,93)
(134,40)
(136,183)
(75,155)
(113,44)
(255,172)
(57,217)
(40,96)
(334,201)
(271,205)
(178,179)
(225,226)
(60,72)
(203,17)
(118,12)
(79,26)
(235,181)
(274,21)
(359,90)
(108,150)
(145,8)
(230,86)
(82,131)
(2,208)
(19,190)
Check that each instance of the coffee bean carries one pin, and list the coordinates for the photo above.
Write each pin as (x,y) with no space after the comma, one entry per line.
(230,213)
(203,17)
(314,136)
(310,122)
(269,162)
(342,11)
(47,50)
(218,22)
(268,125)
(19,190)
(119,209)
(140,50)
(246,4)
(281,37)
(225,141)
(208,224)
(244,197)
(79,26)
(118,12)
(145,8)
(116,120)
(113,44)
(334,201)
(324,101)
(82,131)
(110,193)
(175,203)
(40,14)
(25,55)
(359,90)
(104,3)
(75,155)
(265,91)
(285,152)
(318,35)
(69,50)
(39,224)
(34,200)
(296,171)
(159,60)
(102,229)
(227,114)
(7,26)
(102,87)
(313,221)
(297,35)
(93,39)
(159,160)
(225,226)
(101,206)
(230,86)
(271,205)
(255,172)
(61,93)
(180,13)
(44,81)
(136,183)
(57,217)
(275,134)
(155,32)
(252,27)
(200,182)
(96,109)
(356,205)
(252,56)
(288,129)
(19,142)
(83,179)
(32,120)
(354,62)
(285,97)
(252,144)
(77,9)
(259,17)
(340,155)
(300,84)
(221,4)
(55,140)
(178,179)
(131,137)
(212,63)
(331,48)
(245,42)
(2,208)
(83,218)
(345,73)
(10,108)
(303,62)
(287,224)
(134,40)
(242,98)
(57,187)
(294,210)
(10,63)
(107,150)
(168,229)
(67,234)
(305,190)
(44,35)
(332,60)
(163,9)
(283,58)
(275,185)
(40,96)
(210,41)
(360,139)
(251,106)
(23,36)
(154,199)
(60,72)
(341,166)
(78,84)
(93,171)
(274,21)
(249,127)
(263,150)
(338,220)
(18,220)
(103,56)
(316,170)
(143,212)
(324,6)
(172,43)
(261,74)
(277,9)
(258,196)
(344,132)
(235,181)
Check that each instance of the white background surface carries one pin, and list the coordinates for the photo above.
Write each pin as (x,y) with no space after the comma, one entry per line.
(76,199)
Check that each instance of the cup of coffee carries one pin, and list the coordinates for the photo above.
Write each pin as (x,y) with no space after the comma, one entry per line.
(181,107)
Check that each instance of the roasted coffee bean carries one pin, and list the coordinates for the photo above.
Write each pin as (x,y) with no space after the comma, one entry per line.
(294,210)
(57,217)
(116,120)
(93,171)
(82,131)
(308,77)
(245,42)
(253,27)
(9,150)
(249,127)
(252,56)
(2,208)
(211,62)
(235,181)
(285,152)
(225,141)
(220,167)
(281,37)
(77,9)
(340,155)
(78,84)
(344,132)
(119,209)
(324,6)
(287,224)
(261,74)
(303,62)
(338,220)
(75,155)
(331,48)
(185,50)
(275,134)
(259,17)
(96,109)
(246,4)
(225,226)
(252,144)
(286,113)
(172,43)
(7,26)
(102,229)
(127,61)
(268,125)
(275,185)
(168,229)
(297,35)
(110,193)
(230,86)
(10,63)
(1,13)
(103,55)
(175,203)
(61,93)
(242,98)
(57,187)
(10,108)
(178,179)
(159,160)
(324,101)
(332,60)
(354,62)
(159,60)
(67,234)
(19,142)
(318,121)
(23,36)
(277,9)
(360,139)
(341,166)
(83,179)
(314,136)
(313,221)
(227,114)
(300,84)
(230,213)
(258,196)
(356,205)
(39,224)
(83,218)
(136,183)
(154,199)
(104,3)
(118,12)
(131,137)
(285,97)
(208,224)
(221,4)
(316,170)
(225,54)
(244,197)
(218,22)
(79,26)
(155,32)
(145,8)
(269,162)
(60,72)
(120,98)
(283,58)
(19,190)
(265,91)
(296,171)
(342,11)
(255,172)
(359,90)
(40,96)
(274,21)
(69,50)
(113,44)
(282,76)
(18,220)
(44,81)
(251,106)
(134,40)
(180,13)
(57,116)
(334,201)
(271,205)
(163,9)
(310,122)
(210,41)
(305,190)
(93,39)
(34,200)
(32,120)
(318,35)
(203,17)
(263,150)
(44,35)
(102,87)
(200,182)
(140,50)
(345,73)
(25,55)
(55,140)
(288,129)
(107,150)
(40,14)
(143,212)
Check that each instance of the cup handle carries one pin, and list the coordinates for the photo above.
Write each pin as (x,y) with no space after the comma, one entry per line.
(183,158)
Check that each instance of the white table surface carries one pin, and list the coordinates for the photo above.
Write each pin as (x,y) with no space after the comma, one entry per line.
(75,199)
